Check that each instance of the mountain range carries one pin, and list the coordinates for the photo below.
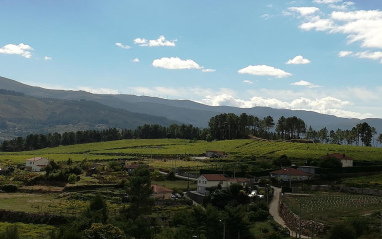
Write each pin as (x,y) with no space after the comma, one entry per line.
(38,110)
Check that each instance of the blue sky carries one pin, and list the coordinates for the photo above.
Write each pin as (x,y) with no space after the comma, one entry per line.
(319,55)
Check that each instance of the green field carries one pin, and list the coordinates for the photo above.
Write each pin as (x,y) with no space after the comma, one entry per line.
(330,208)
(181,149)
(29,231)
(370,181)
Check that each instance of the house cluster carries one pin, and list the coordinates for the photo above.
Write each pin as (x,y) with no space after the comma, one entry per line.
(304,173)
(206,181)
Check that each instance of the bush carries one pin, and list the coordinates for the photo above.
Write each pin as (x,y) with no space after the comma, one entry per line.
(72,178)
(11,232)
(9,188)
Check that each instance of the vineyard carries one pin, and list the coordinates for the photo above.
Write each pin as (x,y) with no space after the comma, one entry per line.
(332,207)
(182,149)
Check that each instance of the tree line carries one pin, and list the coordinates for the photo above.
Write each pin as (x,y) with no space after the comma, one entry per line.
(40,141)
(220,127)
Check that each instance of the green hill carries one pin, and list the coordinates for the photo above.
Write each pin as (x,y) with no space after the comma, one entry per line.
(21,115)
(178,148)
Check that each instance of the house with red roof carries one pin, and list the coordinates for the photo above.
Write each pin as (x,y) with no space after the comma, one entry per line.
(160,192)
(206,181)
(290,174)
(345,160)
(36,164)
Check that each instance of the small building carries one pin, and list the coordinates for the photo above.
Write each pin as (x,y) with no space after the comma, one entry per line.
(290,174)
(36,164)
(207,181)
(130,168)
(345,160)
(215,154)
(308,169)
(160,192)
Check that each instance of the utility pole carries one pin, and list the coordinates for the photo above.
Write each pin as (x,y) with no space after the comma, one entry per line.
(300,222)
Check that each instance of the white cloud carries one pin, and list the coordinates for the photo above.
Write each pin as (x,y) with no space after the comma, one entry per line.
(47,58)
(317,24)
(20,49)
(345,53)
(140,41)
(161,41)
(264,70)
(122,46)
(208,70)
(136,60)
(326,1)
(304,10)
(326,105)
(377,55)
(247,81)
(342,7)
(265,16)
(359,26)
(305,83)
(298,60)
(174,63)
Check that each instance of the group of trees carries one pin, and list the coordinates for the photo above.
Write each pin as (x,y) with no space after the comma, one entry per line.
(362,134)
(231,126)
(220,127)
(39,141)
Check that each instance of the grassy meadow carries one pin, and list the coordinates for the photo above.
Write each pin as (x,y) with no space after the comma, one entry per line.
(180,149)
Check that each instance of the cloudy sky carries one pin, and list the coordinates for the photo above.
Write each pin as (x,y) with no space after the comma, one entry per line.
(319,55)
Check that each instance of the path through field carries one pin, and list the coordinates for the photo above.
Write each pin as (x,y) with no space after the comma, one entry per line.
(274,211)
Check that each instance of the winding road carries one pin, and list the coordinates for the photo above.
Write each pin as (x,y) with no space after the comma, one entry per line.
(274,211)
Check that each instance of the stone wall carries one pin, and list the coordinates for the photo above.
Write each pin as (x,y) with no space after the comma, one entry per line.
(293,222)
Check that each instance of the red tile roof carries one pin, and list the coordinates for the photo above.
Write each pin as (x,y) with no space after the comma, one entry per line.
(215,177)
(160,189)
(339,156)
(290,171)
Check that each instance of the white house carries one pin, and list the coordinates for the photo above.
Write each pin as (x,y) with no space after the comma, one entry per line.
(36,164)
(290,174)
(345,160)
(206,181)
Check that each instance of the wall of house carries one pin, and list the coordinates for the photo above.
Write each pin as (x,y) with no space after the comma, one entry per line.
(346,163)
(286,178)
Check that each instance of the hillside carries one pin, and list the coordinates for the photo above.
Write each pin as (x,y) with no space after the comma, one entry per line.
(185,111)
(21,115)
(174,148)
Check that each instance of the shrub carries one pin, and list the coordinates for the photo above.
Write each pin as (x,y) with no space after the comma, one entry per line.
(9,188)
(72,179)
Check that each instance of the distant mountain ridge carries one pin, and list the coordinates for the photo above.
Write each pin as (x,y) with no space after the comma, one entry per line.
(184,111)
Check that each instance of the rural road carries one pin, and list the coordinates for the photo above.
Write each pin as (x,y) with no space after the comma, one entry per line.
(274,211)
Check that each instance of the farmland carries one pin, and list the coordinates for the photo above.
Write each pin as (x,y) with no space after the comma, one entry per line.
(332,207)
(181,149)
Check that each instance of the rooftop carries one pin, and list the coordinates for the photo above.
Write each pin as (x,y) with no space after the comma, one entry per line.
(290,171)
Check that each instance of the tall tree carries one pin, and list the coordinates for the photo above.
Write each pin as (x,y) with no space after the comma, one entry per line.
(139,192)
